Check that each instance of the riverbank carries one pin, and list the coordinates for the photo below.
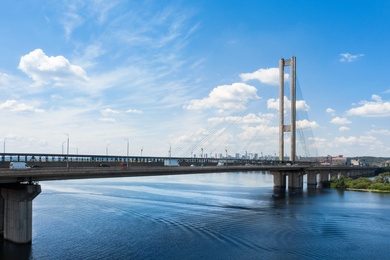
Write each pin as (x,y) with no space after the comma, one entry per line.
(368,190)
(380,184)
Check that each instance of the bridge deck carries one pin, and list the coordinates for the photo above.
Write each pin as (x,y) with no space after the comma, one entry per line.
(47,174)
(61,173)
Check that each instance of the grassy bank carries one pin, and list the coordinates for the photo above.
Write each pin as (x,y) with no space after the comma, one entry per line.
(381,183)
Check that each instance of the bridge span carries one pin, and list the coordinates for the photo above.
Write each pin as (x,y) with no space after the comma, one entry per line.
(20,186)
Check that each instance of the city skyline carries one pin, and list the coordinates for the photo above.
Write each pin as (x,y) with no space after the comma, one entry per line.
(132,77)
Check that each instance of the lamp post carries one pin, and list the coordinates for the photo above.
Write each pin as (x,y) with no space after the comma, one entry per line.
(62,147)
(67,150)
(4,145)
(142,149)
(4,149)
(127,152)
(226,157)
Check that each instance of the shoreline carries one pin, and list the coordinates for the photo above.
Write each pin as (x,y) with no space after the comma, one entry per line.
(368,190)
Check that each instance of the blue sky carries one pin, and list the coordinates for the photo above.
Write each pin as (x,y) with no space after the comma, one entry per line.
(193,76)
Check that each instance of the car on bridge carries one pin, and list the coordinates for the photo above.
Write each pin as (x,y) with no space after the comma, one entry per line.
(19,165)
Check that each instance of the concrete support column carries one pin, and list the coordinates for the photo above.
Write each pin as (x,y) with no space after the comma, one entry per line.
(293,109)
(312,180)
(17,211)
(279,184)
(324,177)
(295,182)
(1,216)
(281,109)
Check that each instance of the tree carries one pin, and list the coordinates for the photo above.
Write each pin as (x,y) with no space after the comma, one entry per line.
(383,178)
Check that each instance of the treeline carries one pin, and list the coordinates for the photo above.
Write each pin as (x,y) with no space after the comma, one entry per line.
(381,183)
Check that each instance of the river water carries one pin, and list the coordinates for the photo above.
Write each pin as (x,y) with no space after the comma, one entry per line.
(202,216)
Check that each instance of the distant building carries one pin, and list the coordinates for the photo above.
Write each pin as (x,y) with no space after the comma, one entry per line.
(339,160)
(355,162)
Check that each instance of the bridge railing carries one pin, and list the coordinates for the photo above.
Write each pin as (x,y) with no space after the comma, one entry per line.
(35,159)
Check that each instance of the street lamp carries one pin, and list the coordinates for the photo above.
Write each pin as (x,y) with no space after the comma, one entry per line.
(67,150)
(142,149)
(226,157)
(4,145)
(62,147)
(127,152)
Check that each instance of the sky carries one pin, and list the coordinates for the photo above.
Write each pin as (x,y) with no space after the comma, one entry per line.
(193,78)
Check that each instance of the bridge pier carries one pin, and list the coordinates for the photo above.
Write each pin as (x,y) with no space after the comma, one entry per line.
(295,182)
(324,177)
(312,180)
(279,184)
(16,211)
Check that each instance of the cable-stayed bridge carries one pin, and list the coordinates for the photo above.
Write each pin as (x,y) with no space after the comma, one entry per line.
(20,186)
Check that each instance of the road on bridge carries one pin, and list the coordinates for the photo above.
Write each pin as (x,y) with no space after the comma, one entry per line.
(63,173)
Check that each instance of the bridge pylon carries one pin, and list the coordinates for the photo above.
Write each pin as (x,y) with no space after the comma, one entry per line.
(295,179)
(292,127)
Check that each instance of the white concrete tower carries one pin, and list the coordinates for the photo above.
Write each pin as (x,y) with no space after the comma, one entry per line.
(292,127)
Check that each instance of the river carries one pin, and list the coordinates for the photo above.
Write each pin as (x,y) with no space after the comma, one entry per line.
(202,216)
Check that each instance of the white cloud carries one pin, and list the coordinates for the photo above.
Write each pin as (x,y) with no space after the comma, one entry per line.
(318,141)
(347,57)
(90,55)
(340,121)
(109,111)
(330,111)
(13,105)
(273,103)
(347,140)
(134,111)
(362,140)
(44,69)
(107,120)
(375,108)
(251,118)
(251,132)
(226,97)
(306,124)
(343,129)
(267,76)
(379,132)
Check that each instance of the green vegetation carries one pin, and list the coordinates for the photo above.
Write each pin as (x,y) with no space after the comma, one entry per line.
(380,183)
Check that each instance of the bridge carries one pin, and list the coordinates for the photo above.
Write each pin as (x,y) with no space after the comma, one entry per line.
(20,186)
